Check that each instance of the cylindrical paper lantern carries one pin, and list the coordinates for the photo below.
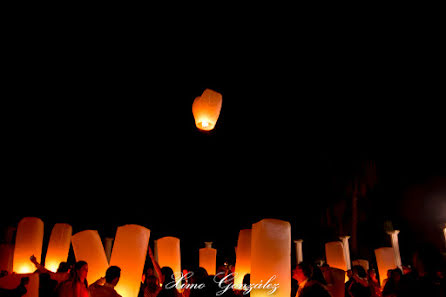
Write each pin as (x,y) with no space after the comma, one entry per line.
(129,254)
(169,254)
(361,262)
(396,247)
(385,260)
(208,258)
(206,109)
(271,258)
(346,247)
(87,246)
(243,257)
(335,256)
(299,252)
(28,242)
(58,246)
(337,285)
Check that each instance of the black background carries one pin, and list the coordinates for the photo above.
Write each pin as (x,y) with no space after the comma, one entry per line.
(98,132)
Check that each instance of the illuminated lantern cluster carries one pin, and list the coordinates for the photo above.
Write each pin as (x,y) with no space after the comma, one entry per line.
(271,256)
(29,240)
(206,109)
(208,258)
(58,246)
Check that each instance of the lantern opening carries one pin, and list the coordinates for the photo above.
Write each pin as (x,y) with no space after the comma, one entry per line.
(205,125)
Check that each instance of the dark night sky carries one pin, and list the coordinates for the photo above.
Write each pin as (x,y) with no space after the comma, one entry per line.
(99,140)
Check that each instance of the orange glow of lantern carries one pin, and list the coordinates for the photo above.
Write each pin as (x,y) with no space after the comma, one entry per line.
(243,257)
(58,246)
(271,258)
(361,262)
(129,253)
(87,246)
(169,254)
(206,109)
(29,240)
(335,256)
(337,283)
(385,260)
(208,258)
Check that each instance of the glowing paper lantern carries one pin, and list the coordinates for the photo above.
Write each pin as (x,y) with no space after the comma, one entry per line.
(335,256)
(129,253)
(346,247)
(243,257)
(58,246)
(271,258)
(28,242)
(206,109)
(169,254)
(208,258)
(299,252)
(87,246)
(361,262)
(337,285)
(11,281)
(396,247)
(385,260)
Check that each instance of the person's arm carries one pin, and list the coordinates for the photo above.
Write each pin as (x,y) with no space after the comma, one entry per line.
(39,266)
(156,266)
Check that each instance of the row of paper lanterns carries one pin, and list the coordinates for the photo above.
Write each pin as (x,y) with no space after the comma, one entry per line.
(263,251)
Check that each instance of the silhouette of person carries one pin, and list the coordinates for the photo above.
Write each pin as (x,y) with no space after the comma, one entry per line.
(309,286)
(107,289)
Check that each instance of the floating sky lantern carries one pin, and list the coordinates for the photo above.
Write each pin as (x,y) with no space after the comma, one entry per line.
(58,246)
(385,260)
(208,258)
(206,109)
(29,240)
(243,257)
(129,253)
(271,258)
(87,246)
(169,254)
